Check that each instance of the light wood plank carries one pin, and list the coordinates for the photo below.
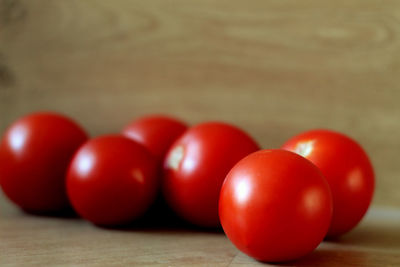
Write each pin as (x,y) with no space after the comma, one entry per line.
(43,241)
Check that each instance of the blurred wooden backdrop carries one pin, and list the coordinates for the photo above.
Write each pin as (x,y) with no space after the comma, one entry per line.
(275,68)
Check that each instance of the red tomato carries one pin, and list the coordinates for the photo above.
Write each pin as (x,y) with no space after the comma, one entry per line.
(347,169)
(196,166)
(156,133)
(112,180)
(275,206)
(35,153)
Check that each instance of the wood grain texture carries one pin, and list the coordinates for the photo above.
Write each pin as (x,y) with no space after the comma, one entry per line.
(28,240)
(273,67)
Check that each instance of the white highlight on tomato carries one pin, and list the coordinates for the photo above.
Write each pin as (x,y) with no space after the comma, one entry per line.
(304,148)
(242,190)
(85,162)
(18,137)
(175,158)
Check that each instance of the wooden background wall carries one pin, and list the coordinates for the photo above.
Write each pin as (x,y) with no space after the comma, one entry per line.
(273,67)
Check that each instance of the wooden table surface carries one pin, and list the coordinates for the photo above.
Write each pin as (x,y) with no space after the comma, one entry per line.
(53,241)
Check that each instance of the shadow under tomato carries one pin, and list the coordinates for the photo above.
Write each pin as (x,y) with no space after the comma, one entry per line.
(330,257)
(161,218)
(67,213)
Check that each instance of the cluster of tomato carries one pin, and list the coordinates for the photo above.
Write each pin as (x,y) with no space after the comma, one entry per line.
(274,205)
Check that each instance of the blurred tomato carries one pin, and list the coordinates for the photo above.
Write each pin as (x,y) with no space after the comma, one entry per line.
(112,180)
(196,166)
(35,153)
(156,133)
(347,169)
(275,206)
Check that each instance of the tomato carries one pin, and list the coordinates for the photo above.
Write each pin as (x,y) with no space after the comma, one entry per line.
(196,166)
(347,169)
(275,206)
(112,180)
(156,133)
(35,152)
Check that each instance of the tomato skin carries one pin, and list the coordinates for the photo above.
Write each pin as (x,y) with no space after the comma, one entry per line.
(347,169)
(155,132)
(112,180)
(196,166)
(34,156)
(275,206)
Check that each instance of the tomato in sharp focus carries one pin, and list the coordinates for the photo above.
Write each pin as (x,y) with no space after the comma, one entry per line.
(347,169)
(155,132)
(112,180)
(196,166)
(275,206)
(35,152)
